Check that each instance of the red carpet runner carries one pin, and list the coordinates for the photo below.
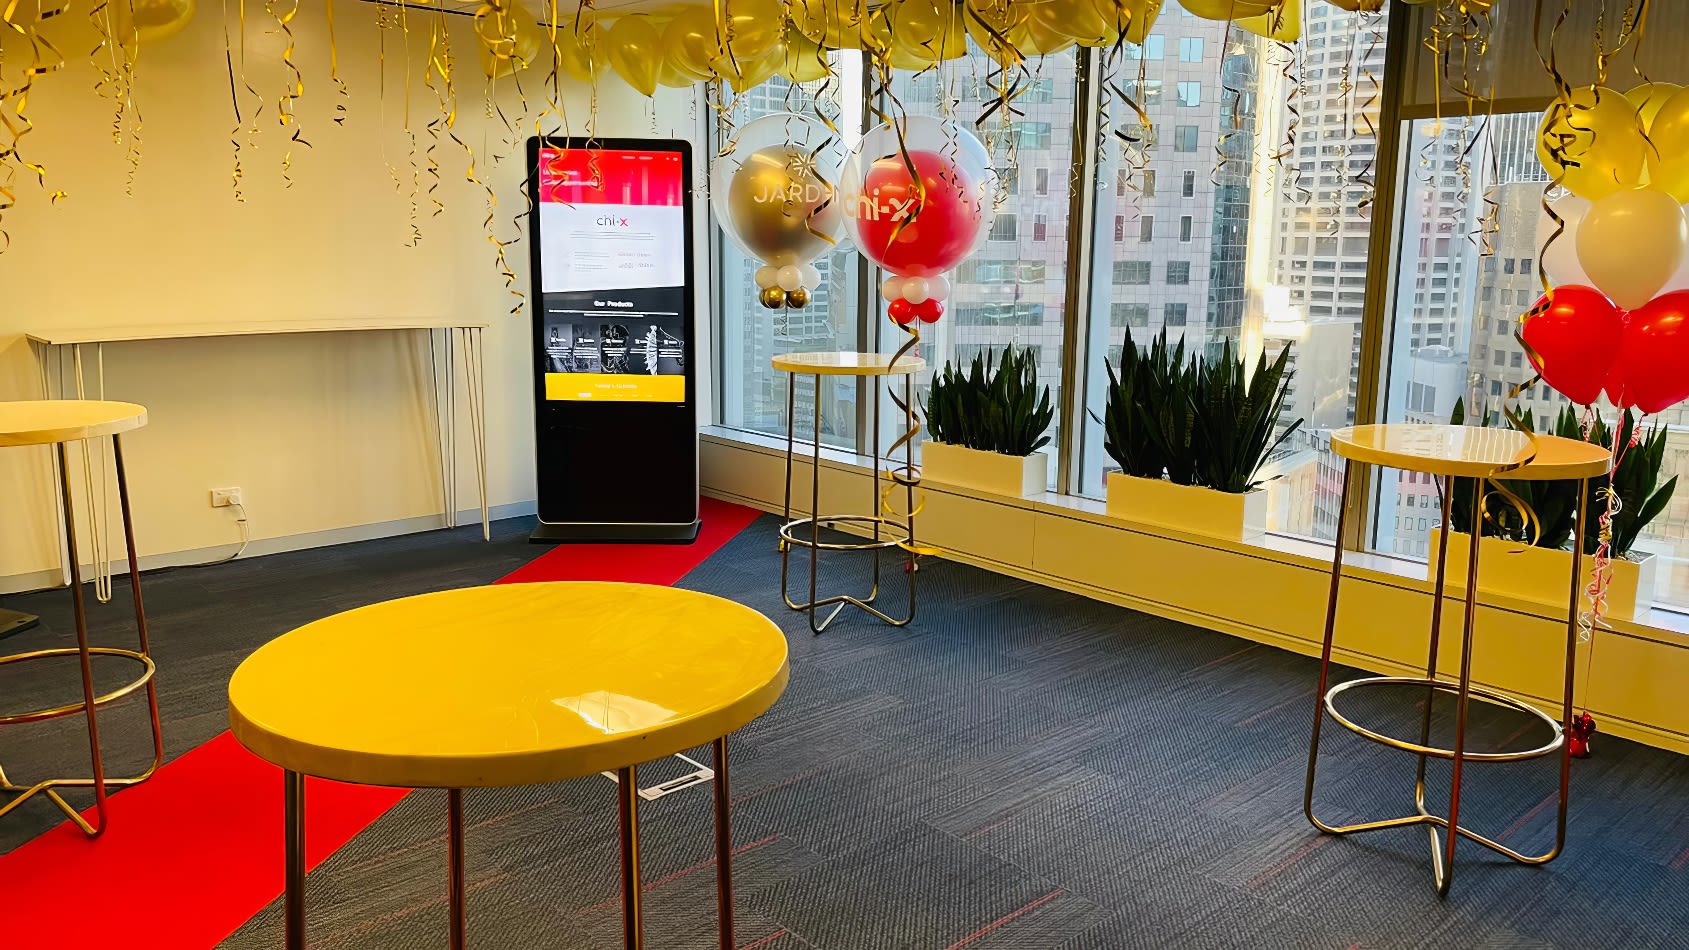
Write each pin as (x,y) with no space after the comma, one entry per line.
(193,853)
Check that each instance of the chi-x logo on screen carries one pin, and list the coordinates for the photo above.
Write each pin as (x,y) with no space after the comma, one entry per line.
(613,221)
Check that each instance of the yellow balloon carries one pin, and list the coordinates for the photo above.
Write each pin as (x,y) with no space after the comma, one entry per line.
(672,76)
(1227,9)
(510,40)
(926,31)
(745,74)
(1649,98)
(1080,19)
(635,50)
(1282,23)
(152,20)
(584,55)
(1359,6)
(802,60)
(689,42)
(1144,14)
(1630,243)
(1668,147)
(751,27)
(994,25)
(777,204)
(1041,40)
(835,24)
(1593,143)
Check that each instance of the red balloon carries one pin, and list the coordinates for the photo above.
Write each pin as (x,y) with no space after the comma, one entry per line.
(1572,337)
(901,311)
(929,310)
(910,233)
(1654,357)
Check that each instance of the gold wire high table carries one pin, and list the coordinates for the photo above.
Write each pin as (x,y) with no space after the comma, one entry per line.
(888,530)
(57,423)
(1448,452)
(505,685)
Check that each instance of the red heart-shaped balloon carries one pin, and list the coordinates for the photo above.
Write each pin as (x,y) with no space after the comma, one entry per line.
(1653,367)
(1572,336)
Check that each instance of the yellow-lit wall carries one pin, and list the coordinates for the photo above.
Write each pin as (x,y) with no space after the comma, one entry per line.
(322,432)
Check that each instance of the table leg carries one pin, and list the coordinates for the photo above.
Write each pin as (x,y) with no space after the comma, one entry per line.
(80,612)
(633,923)
(1443,864)
(1446,497)
(723,848)
(815,515)
(293,794)
(1325,650)
(454,863)
(478,408)
(786,509)
(140,608)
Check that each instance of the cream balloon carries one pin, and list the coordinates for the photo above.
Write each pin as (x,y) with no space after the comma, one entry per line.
(1630,243)
(1559,256)
(916,290)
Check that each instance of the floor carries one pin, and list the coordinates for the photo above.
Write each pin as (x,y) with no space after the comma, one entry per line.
(1019,768)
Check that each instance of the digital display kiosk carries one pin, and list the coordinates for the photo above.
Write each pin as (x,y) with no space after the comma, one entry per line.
(615,425)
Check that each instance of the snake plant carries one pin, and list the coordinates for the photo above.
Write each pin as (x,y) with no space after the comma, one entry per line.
(1002,411)
(1237,417)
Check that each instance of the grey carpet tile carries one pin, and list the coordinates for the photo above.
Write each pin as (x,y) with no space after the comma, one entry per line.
(1019,768)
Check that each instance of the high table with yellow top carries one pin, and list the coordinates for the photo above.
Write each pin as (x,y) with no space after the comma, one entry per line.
(512,684)
(1448,452)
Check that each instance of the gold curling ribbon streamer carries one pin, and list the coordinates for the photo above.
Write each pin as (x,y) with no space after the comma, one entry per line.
(908,475)
(448,106)
(284,11)
(234,99)
(17,124)
(342,92)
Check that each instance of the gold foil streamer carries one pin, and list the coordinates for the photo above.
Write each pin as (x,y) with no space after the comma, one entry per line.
(234,100)
(14,104)
(342,93)
(284,11)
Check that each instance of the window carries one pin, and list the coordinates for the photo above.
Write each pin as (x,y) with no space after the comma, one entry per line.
(1173,315)
(1119,228)
(1131,272)
(1185,227)
(1033,135)
(1146,92)
(1184,138)
(1154,47)
(1189,188)
(1038,92)
(1190,94)
(1041,181)
(1040,228)
(1179,272)
(1146,228)
(1190,49)
(1129,315)
(1147,179)
(1004,228)
(1009,180)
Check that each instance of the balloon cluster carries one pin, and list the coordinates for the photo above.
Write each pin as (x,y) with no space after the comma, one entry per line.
(919,197)
(1615,250)
(745,42)
(774,192)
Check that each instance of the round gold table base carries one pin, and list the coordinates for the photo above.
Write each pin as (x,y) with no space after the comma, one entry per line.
(1443,686)
(69,709)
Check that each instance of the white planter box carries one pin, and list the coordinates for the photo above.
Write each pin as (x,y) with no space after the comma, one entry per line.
(1012,475)
(1157,501)
(1544,575)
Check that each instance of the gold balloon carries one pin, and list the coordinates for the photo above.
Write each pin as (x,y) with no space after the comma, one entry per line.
(1144,15)
(635,51)
(835,24)
(772,297)
(797,298)
(1649,98)
(672,76)
(689,42)
(928,31)
(1668,147)
(776,202)
(749,27)
(995,26)
(152,20)
(803,60)
(1598,137)
(1359,6)
(1082,20)
(510,40)
(585,55)
(1282,23)
(1039,39)
(1227,9)
(746,74)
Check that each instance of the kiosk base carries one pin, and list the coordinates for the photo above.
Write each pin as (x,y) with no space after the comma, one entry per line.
(547,533)
(13,621)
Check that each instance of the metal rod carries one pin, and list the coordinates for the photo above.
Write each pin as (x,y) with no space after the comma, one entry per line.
(633,923)
(1445,498)
(786,508)
(909,563)
(1325,651)
(80,611)
(1573,608)
(815,507)
(1461,701)
(293,796)
(1076,295)
(454,864)
(135,591)
(723,848)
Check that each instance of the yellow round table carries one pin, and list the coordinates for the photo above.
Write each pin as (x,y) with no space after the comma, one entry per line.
(1447,452)
(57,423)
(888,531)
(513,684)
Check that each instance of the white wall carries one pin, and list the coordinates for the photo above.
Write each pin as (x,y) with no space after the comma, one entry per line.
(322,432)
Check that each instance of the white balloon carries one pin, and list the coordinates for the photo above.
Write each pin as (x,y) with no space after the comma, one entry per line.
(891,288)
(938,288)
(790,278)
(1560,259)
(1679,280)
(915,290)
(811,276)
(767,276)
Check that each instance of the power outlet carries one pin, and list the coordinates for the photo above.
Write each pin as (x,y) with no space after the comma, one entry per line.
(225,497)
